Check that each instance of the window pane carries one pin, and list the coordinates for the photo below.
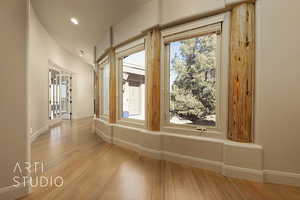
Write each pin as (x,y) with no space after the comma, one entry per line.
(133,86)
(105,89)
(64,94)
(193,65)
(54,94)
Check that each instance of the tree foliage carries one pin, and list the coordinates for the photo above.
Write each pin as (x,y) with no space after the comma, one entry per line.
(193,92)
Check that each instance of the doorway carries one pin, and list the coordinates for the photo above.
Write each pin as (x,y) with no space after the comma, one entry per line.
(60,94)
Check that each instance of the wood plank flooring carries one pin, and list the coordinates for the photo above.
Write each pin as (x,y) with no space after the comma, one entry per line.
(94,170)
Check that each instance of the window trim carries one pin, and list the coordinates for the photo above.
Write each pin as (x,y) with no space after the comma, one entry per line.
(185,31)
(121,52)
(101,64)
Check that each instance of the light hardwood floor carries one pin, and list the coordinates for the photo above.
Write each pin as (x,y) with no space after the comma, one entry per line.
(92,169)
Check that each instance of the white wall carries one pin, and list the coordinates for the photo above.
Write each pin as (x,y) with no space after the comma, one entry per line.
(277,84)
(172,10)
(159,12)
(162,12)
(103,45)
(42,47)
(145,17)
(13,113)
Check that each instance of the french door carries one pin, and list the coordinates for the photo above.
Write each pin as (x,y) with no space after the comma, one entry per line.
(60,95)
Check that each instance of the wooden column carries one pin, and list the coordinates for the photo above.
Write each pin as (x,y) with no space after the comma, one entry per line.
(112,87)
(153,66)
(242,65)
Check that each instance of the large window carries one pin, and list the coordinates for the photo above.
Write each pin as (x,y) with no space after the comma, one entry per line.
(192,80)
(195,73)
(104,87)
(134,86)
(132,90)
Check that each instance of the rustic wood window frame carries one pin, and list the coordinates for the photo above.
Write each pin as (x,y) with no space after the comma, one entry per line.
(219,24)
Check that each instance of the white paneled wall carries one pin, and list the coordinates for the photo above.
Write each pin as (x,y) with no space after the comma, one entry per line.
(213,154)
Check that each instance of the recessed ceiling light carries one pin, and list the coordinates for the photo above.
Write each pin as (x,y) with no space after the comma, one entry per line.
(74,21)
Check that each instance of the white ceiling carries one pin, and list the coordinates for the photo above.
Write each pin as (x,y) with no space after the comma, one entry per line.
(95,18)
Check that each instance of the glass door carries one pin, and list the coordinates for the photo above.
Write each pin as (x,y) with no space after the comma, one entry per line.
(66,96)
(54,94)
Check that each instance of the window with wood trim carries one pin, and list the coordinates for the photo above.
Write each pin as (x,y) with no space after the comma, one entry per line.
(192,79)
(132,82)
(104,87)
(193,76)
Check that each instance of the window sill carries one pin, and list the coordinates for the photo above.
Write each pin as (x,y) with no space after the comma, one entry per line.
(169,130)
(104,117)
(132,123)
(210,133)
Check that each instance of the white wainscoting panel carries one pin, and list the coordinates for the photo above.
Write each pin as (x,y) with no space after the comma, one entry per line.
(232,159)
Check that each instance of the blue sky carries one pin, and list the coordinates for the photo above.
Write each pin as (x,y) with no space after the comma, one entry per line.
(136,59)
(174,49)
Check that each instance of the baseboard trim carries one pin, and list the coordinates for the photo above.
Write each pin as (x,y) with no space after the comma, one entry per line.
(243,173)
(50,124)
(39,132)
(193,161)
(139,149)
(14,192)
(103,136)
(84,117)
(54,122)
(279,177)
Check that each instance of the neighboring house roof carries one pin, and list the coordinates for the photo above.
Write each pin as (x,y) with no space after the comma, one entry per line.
(133,69)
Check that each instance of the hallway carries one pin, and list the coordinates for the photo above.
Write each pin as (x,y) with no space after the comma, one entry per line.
(92,169)
(150,100)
